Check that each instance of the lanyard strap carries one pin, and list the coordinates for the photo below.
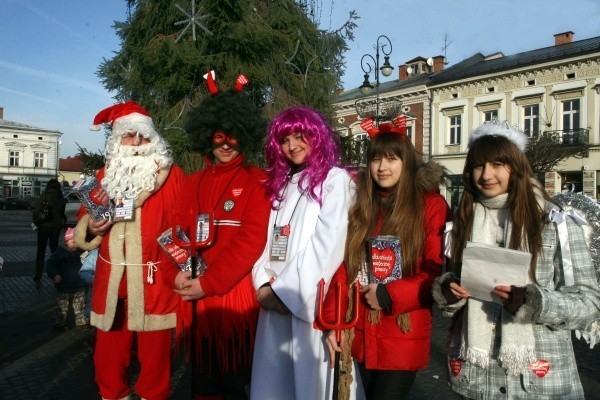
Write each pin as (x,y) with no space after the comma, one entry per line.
(293,211)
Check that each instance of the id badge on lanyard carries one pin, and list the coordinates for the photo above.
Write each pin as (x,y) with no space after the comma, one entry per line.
(279,244)
(203,227)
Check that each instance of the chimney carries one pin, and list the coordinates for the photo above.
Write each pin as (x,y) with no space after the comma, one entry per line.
(338,91)
(562,38)
(403,74)
(1,112)
(438,63)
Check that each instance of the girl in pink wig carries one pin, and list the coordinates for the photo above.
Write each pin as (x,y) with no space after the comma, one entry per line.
(310,196)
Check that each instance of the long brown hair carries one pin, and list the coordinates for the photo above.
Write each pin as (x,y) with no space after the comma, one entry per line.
(526,213)
(401,211)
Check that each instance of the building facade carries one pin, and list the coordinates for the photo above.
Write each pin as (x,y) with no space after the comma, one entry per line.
(549,91)
(408,96)
(28,158)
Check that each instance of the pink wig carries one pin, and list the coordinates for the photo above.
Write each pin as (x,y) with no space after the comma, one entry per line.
(324,155)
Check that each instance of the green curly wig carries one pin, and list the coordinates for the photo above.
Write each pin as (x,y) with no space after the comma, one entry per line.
(230,112)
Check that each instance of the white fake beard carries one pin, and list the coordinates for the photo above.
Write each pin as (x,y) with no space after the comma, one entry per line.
(131,170)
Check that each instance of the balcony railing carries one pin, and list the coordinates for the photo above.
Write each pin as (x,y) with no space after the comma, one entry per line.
(568,137)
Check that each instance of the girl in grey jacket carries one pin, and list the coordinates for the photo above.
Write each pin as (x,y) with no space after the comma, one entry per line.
(518,346)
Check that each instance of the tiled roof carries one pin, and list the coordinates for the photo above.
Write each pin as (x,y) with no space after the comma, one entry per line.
(74,164)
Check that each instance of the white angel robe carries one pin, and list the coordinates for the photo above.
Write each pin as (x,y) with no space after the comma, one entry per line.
(291,360)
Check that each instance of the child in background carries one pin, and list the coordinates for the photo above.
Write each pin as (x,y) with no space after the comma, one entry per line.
(63,268)
(88,267)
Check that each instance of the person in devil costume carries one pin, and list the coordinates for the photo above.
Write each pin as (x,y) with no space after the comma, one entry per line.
(229,193)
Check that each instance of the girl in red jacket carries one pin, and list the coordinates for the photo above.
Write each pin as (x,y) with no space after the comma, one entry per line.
(397,196)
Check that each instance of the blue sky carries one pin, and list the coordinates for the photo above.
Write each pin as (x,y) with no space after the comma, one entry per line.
(50,50)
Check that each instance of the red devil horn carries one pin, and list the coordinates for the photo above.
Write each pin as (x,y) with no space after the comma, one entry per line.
(400,123)
(240,82)
(369,127)
(211,84)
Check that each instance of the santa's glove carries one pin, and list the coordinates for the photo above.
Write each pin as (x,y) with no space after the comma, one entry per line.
(516,299)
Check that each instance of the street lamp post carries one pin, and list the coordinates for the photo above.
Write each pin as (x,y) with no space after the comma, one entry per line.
(369,63)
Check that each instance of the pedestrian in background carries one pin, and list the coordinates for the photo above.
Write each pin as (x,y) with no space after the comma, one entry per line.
(48,230)
(63,268)
(518,346)
(310,196)
(397,196)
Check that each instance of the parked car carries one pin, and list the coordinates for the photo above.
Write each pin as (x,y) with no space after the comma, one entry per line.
(28,202)
(10,203)
(71,208)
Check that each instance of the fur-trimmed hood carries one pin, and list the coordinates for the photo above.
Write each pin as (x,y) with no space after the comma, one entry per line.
(430,176)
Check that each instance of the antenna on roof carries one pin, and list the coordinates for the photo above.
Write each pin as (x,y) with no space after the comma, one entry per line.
(447,44)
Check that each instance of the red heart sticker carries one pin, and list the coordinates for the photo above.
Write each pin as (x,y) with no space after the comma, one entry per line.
(383,262)
(99,196)
(540,368)
(455,366)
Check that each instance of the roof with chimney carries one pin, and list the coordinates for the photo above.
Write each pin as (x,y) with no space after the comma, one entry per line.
(479,64)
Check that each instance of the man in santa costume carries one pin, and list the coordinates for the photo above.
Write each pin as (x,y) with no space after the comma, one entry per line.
(130,299)
(229,191)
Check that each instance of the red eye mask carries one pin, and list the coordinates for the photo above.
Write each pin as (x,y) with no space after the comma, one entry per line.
(219,139)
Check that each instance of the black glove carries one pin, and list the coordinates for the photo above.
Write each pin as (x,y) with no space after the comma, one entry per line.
(515,300)
(447,292)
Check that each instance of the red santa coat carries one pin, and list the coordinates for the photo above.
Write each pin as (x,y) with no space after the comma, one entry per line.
(384,346)
(234,194)
(127,252)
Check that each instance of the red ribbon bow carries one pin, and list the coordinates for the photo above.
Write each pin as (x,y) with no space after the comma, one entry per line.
(397,126)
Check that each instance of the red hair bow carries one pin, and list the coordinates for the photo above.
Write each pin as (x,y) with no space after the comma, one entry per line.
(397,126)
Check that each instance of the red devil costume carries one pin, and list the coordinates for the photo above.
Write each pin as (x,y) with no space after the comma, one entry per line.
(230,191)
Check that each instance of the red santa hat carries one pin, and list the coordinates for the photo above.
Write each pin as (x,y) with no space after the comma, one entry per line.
(126,118)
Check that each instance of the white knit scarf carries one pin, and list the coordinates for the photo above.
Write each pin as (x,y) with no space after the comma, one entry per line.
(492,225)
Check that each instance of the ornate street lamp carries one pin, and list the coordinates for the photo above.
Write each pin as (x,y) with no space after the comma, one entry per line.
(369,64)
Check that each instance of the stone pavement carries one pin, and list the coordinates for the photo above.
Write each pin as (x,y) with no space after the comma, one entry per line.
(39,363)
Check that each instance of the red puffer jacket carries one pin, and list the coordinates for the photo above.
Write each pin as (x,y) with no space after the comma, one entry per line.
(384,345)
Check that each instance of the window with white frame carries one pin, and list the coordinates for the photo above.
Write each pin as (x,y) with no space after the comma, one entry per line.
(38,159)
(490,115)
(571,110)
(14,158)
(531,119)
(455,129)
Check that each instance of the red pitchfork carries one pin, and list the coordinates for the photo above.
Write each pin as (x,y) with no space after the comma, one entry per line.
(338,325)
(192,247)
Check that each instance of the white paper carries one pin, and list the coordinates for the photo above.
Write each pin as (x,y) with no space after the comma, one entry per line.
(484,267)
